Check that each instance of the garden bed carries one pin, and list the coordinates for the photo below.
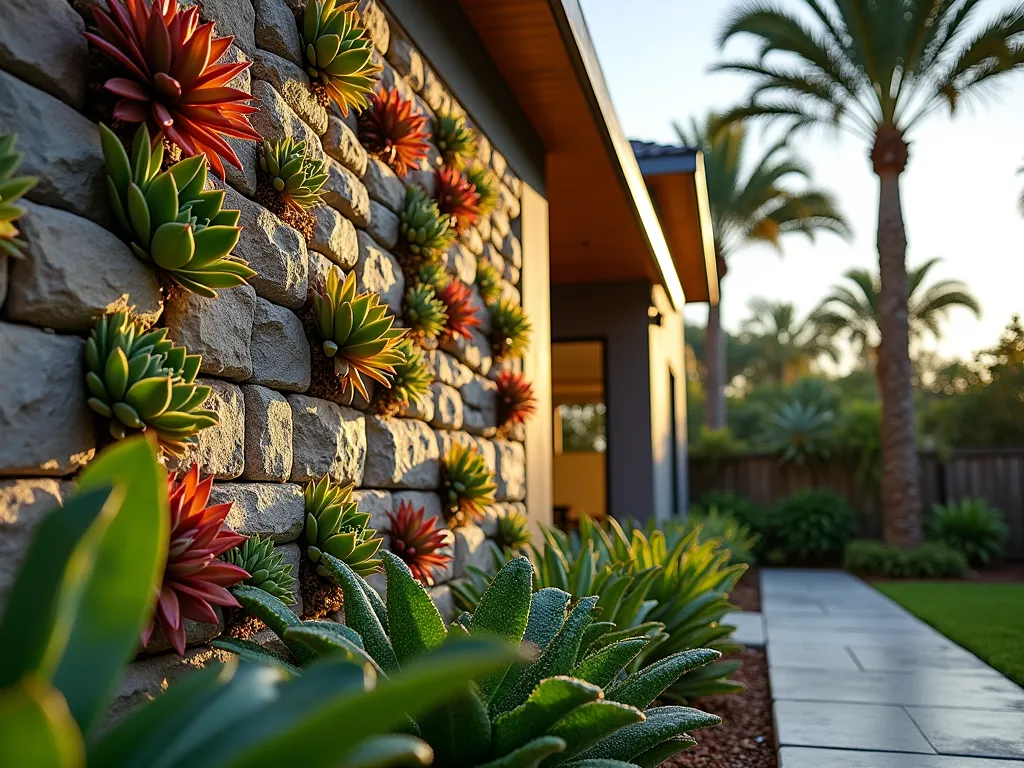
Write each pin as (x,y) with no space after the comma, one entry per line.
(746,595)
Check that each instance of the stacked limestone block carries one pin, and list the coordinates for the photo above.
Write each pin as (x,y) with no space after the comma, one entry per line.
(273,435)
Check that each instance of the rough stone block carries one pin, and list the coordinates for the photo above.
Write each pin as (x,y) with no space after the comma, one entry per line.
(280,351)
(277,120)
(508,202)
(473,241)
(341,143)
(346,194)
(45,424)
(378,504)
(42,42)
(479,422)
(327,439)
(383,225)
(292,555)
(219,450)
(23,505)
(447,368)
(474,351)
(232,18)
(335,237)
(512,251)
(276,30)
(482,313)
(511,274)
(319,267)
(428,500)
(379,271)
(460,262)
(433,92)
(483,231)
(376,24)
(406,59)
(218,329)
(442,597)
(447,406)
(471,548)
(268,434)
(60,146)
(75,271)
(422,410)
(383,185)
(292,84)
(479,392)
(510,293)
(498,163)
(400,454)
(276,251)
(196,633)
(483,150)
(276,510)
(510,476)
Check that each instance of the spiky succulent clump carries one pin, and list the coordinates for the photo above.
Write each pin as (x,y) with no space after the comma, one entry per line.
(298,179)
(419,542)
(357,332)
(516,401)
(12,188)
(425,314)
(433,274)
(335,525)
(170,77)
(171,220)
(141,382)
(266,567)
(426,232)
(338,53)
(510,329)
(458,198)
(194,581)
(468,485)
(461,311)
(411,384)
(486,183)
(513,530)
(394,132)
(455,139)
(488,281)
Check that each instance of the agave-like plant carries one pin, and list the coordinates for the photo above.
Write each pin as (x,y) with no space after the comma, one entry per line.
(467,485)
(392,131)
(297,178)
(972,528)
(194,580)
(458,198)
(513,530)
(12,188)
(334,525)
(411,384)
(420,543)
(170,78)
(265,565)
(486,183)
(142,382)
(339,56)
(488,281)
(426,233)
(425,314)
(357,332)
(516,400)
(460,309)
(799,431)
(510,329)
(455,139)
(171,219)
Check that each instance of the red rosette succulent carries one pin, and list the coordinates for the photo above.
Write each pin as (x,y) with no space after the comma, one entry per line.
(418,541)
(457,197)
(516,401)
(392,131)
(461,311)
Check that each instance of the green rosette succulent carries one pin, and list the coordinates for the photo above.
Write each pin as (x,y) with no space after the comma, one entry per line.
(338,53)
(486,183)
(266,567)
(425,314)
(467,484)
(488,281)
(141,382)
(335,525)
(433,274)
(426,233)
(510,329)
(455,139)
(171,219)
(412,380)
(296,178)
(513,530)
(12,188)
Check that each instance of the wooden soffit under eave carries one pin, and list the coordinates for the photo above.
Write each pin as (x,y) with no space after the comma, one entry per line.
(603,227)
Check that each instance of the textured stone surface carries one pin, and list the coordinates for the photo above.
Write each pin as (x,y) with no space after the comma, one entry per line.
(471,548)
(508,202)
(41,42)
(73,272)
(400,454)
(276,30)
(447,368)
(406,60)
(341,143)
(219,450)
(461,262)
(447,406)
(511,470)
(60,146)
(346,194)
(473,241)
(269,509)
(327,439)
(383,225)
(428,500)
(422,410)
(512,251)
(378,504)
(280,352)
(196,633)
(479,422)
(500,223)
(243,176)
(268,434)
(379,271)
(23,504)
(232,18)
(335,237)
(479,392)
(376,24)
(45,426)
(475,351)
(292,84)
(383,185)
(433,92)
(319,267)
(218,329)
(277,120)
(272,248)
(445,602)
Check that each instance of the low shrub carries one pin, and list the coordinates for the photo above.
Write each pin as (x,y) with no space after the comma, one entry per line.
(811,526)
(867,557)
(972,528)
(739,507)
(734,536)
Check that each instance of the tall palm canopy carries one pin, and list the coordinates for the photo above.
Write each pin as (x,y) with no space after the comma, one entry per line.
(876,69)
(788,346)
(852,310)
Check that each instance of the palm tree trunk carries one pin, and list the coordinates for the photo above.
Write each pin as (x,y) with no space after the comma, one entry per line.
(901,486)
(714,361)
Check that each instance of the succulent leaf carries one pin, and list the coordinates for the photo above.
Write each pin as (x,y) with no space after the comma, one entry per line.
(458,198)
(511,330)
(425,314)
(394,132)
(516,401)
(419,542)
(461,310)
(12,188)
(455,139)
(486,183)
(426,233)
(338,53)
(296,176)
(266,567)
(334,526)
(467,484)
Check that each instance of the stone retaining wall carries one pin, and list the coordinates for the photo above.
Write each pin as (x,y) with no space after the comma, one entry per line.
(273,435)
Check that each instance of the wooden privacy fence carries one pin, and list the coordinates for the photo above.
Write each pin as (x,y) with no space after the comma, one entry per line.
(996,475)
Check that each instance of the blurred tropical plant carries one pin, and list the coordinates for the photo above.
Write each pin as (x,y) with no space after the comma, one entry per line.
(931,560)
(972,528)
(787,347)
(812,525)
(734,536)
(716,444)
(799,431)
(859,437)
(736,506)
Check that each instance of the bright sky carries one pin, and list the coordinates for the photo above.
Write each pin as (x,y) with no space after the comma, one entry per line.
(960,192)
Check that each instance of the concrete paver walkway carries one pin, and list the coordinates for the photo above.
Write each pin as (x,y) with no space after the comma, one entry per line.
(858,682)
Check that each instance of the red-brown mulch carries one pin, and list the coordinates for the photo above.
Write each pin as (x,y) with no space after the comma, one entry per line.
(746,595)
(744,739)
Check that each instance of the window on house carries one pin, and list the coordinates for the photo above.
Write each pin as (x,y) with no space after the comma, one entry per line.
(583,427)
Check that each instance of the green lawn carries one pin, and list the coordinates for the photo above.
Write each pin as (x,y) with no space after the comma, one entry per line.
(987,619)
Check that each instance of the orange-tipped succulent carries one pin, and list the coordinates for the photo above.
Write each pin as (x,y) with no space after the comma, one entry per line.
(170,77)
(418,542)
(516,401)
(194,580)
(457,197)
(462,313)
(392,131)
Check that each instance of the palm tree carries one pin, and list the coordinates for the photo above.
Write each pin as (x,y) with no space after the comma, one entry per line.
(852,310)
(876,69)
(758,206)
(787,347)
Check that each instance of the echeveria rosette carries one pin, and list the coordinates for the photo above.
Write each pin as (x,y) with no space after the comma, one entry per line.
(513,530)
(296,177)
(426,234)
(410,384)
(516,400)
(488,281)
(334,525)
(392,131)
(172,221)
(462,313)
(338,53)
(265,566)
(467,485)
(425,314)
(486,183)
(510,330)
(419,542)
(12,189)
(455,139)
(458,198)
